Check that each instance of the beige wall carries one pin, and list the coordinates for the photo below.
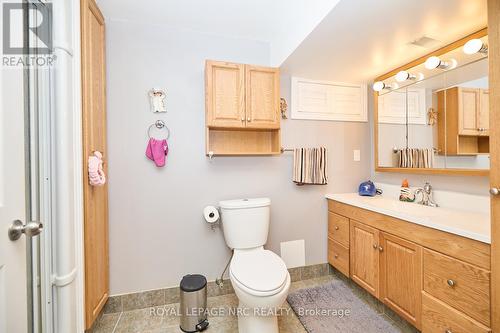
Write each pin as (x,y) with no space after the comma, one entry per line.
(157,233)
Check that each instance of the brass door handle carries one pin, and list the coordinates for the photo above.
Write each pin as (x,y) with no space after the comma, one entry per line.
(380,248)
(451,283)
(494,191)
(375,246)
(336,228)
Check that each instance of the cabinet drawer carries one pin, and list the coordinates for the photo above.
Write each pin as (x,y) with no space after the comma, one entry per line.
(338,228)
(437,317)
(463,286)
(338,256)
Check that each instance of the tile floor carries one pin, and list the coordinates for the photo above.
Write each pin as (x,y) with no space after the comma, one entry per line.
(160,319)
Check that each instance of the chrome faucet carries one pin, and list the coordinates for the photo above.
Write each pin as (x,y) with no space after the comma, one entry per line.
(426,193)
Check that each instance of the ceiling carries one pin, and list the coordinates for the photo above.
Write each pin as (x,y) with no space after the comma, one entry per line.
(281,23)
(362,39)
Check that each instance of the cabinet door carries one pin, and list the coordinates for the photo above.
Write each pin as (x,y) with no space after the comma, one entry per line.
(94,138)
(484,113)
(225,94)
(401,277)
(364,263)
(262,97)
(469,101)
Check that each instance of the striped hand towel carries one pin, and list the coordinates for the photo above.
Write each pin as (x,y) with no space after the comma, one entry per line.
(310,166)
(416,158)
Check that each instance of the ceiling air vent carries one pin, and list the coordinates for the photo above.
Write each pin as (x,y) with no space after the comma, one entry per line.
(426,42)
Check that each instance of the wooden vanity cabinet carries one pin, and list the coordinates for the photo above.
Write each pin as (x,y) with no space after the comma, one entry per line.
(242,109)
(435,280)
(364,257)
(401,277)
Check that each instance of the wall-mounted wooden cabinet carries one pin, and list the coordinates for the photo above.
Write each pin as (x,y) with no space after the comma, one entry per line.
(463,121)
(242,109)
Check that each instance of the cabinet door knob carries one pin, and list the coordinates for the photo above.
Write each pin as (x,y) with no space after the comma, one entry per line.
(448,331)
(380,248)
(375,246)
(336,227)
(242,118)
(336,256)
(494,191)
(249,119)
(451,283)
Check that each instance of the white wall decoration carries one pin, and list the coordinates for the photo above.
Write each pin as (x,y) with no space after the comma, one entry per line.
(157,99)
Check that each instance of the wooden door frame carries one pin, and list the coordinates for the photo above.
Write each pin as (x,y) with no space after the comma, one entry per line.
(494,84)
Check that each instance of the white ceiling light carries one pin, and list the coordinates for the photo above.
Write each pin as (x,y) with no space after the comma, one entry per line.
(434,62)
(475,46)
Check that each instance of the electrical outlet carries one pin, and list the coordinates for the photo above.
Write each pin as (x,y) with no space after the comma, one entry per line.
(356,155)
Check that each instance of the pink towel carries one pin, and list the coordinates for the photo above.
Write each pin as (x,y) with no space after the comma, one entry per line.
(157,151)
(96,172)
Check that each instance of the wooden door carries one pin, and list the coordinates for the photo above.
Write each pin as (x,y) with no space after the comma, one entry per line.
(262,97)
(494,93)
(483,119)
(225,94)
(469,103)
(364,265)
(94,139)
(401,277)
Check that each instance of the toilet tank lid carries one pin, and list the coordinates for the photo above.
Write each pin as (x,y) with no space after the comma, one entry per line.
(245,203)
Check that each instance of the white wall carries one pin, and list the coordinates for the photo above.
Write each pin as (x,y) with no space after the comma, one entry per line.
(157,233)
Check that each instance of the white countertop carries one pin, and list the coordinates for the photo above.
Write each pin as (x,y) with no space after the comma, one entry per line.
(467,224)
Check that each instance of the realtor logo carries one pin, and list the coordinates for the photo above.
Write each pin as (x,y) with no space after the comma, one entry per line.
(37,38)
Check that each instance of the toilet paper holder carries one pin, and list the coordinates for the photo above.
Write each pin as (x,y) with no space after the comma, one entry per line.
(211,215)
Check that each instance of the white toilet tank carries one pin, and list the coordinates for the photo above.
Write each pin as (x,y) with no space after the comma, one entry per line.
(245,222)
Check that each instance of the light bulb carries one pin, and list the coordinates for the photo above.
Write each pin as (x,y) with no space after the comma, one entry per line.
(379,86)
(402,76)
(432,62)
(475,46)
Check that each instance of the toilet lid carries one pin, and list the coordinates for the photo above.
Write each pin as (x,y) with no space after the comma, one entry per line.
(260,270)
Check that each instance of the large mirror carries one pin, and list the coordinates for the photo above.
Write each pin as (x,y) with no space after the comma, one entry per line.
(433,117)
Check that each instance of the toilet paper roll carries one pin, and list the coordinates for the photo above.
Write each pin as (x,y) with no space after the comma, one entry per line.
(211,214)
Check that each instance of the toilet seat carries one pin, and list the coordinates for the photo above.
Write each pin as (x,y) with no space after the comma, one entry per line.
(259,272)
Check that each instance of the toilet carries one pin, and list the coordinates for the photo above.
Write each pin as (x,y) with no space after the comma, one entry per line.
(259,277)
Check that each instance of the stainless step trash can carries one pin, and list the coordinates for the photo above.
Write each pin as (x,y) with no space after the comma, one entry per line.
(193,308)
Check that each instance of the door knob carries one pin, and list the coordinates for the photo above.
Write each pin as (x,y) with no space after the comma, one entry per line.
(494,191)
(30,229)
(249,119)
(380,248)
(375,246)
(451,283)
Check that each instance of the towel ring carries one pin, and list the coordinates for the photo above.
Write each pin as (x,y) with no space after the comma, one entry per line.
(159,124)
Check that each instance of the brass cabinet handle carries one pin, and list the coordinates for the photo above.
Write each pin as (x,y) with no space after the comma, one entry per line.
(494,191)
(242,118)
(375,246)
(448,331)
(336,256)
(336,227)
(249,119)
(451,283)
(380,248)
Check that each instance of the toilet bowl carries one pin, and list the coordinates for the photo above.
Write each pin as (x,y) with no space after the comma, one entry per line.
(259,277)
(261,283)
